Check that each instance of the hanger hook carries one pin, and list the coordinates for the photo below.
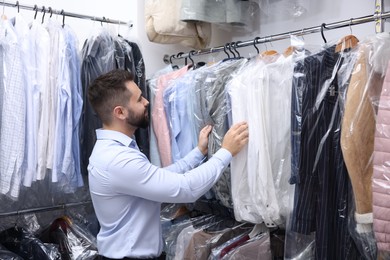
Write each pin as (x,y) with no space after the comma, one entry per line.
(254,44)
(63,18)
(17,5)
(189,56)
(270,40)
(36,11)
(350,25)
(302,33)
(230,48)
(235,48)
(170,58)
(224,50)
(44,12)
(50,11)
(322,31)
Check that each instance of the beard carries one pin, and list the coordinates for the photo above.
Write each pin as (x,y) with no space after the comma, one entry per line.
(139,121)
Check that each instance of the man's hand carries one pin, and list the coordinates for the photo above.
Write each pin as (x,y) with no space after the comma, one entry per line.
(204,139)
(236,138)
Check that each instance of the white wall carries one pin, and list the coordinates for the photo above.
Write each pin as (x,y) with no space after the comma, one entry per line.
(126,10)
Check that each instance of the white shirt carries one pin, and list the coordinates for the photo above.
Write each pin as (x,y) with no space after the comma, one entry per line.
(62,136)
(127,192)
(32,97)
(13,112)
(40,40)
(261,95)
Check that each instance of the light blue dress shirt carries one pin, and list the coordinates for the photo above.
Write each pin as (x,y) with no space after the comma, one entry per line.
(127,192)
(179,116)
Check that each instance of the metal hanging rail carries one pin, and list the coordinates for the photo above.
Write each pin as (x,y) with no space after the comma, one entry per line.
(282,36)
(41,209)
(62,12)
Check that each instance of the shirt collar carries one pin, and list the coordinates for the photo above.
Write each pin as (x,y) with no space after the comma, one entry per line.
(103,134)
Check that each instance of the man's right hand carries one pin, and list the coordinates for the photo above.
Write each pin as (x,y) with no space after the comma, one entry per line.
(236,138)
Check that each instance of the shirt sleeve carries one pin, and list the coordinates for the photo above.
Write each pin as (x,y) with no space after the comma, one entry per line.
(190,161)
(138,177)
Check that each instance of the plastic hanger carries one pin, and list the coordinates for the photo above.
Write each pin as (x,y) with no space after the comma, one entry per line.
(254,44)
(235,49)
(229,46)
(322,32)
(44,13)
(192,65)
(257,229)
(63,18)
(36,11)
(17,5)
(175,67)
(347,42)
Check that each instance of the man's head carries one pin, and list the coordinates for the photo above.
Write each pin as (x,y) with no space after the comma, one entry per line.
(114,96)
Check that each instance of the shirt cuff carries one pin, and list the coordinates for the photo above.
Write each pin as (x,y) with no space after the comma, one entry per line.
(224,155)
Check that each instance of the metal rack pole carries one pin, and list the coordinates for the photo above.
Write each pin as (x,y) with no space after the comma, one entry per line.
(286,35)
(41,209)
(62,12)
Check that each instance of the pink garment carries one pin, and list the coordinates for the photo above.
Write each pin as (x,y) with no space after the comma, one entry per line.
(160,124)
(381,176)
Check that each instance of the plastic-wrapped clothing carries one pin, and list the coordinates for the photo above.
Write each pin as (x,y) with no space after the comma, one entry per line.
(73,243)
(24,244)
(164,26)
(381,176)
(216,107)
(258,247)
(261,94)
(128,57)
(159,118)
(152,87)
(358,130)
(321,201)
(39,42)
(5,254)
(203,241)
(178,109)
(97,58)
(12,113)
(231,12)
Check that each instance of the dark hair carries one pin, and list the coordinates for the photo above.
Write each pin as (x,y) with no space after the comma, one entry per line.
(109,90)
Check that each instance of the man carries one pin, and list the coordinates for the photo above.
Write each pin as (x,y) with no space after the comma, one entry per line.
(126,190)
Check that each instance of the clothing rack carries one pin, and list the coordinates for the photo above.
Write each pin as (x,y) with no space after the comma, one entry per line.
(42,209)
(62,12)
(281,36)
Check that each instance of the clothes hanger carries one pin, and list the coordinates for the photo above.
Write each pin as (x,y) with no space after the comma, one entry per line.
(287,52)
(347,42)
(254,44)
(268,52)
(44,12)
(175,67)
(235,49)
(322,32)
(192,65)
(257,229)
(63,18)
(227,54)
(229,46)
(17,5)
(36,11)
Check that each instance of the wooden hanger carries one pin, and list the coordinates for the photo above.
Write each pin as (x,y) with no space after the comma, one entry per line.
(290,49)
(347,42)
(268,53)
